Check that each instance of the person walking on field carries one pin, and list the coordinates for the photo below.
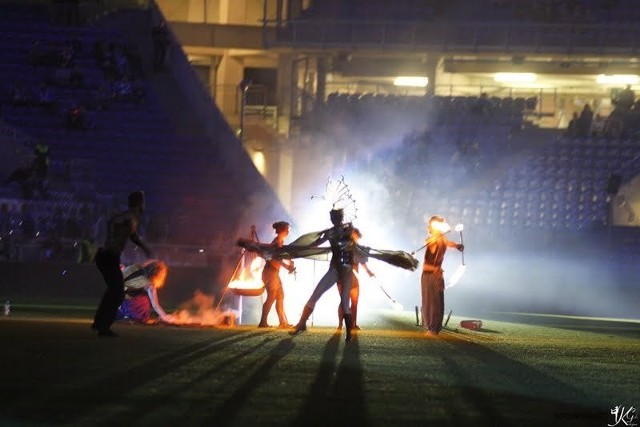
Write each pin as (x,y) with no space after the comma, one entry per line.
(121,228)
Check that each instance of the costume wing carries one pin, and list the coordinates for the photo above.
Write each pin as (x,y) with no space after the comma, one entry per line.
(304,246)
(396,258)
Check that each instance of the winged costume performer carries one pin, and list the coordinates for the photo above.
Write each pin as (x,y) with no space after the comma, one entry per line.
(343,249)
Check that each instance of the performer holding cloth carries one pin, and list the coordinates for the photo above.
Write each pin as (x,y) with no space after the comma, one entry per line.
(271,278)
(343,249)
(432,279)
(340,238)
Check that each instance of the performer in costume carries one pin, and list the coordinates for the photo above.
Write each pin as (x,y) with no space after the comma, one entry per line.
(342,248)
(432,279)
(355,284)
(271,279)
(120,228)
(141,284)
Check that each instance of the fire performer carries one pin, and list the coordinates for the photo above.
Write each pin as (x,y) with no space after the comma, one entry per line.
(120,228)
(432,279)
(141,284)
(271,278)
(354,295)
(342,248)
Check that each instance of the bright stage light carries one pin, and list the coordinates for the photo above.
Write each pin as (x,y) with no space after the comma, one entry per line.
(515,77)
(259,161)
(411,81)
(617,79)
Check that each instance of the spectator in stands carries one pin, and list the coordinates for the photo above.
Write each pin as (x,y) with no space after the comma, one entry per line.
(161,42)
(482,105)
(586,118)
(625,99)
(120,228)
(76,118)
(41,168)
(614,126)
(597,126)
(572,129)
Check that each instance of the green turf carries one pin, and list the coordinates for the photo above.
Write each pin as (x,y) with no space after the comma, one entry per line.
(518,370)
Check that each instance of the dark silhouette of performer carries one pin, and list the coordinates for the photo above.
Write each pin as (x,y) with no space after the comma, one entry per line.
(271,279)
(432,280)
(354,295)
(120,228)
(342,250)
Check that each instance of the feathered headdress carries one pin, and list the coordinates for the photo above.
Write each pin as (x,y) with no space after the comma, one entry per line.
(337,196)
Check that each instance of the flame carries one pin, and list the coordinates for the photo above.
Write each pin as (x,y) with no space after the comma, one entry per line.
(249,278)
(442,227)
(200,311)
(157,272)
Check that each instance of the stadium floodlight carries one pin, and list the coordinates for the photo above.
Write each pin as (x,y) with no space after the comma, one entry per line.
(515,77)
(617,79)
(412,81)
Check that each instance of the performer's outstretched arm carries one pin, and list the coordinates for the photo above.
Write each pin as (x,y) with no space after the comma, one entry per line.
(153,296)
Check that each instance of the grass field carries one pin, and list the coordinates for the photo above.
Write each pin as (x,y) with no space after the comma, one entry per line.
(519,370)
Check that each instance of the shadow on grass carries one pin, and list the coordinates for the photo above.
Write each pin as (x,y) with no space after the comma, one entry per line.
(534,398)
(109,390)
(619,328)
(339,401)
(227,412)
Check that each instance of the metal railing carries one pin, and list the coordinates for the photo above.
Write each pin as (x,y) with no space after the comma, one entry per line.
(460,37)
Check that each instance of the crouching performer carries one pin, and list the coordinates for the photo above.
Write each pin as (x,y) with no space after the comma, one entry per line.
(141,284)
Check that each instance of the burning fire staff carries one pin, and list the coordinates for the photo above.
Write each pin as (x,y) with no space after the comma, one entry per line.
(432,279)
(271,279)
